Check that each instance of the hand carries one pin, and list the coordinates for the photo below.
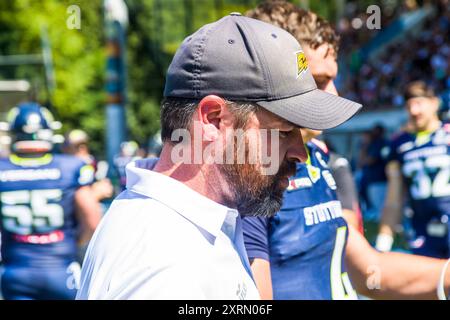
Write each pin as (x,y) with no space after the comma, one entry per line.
(103,189)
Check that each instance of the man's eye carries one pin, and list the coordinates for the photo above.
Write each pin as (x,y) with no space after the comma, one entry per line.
(285,134)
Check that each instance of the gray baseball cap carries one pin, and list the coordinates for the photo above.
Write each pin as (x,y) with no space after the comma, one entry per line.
(243,59)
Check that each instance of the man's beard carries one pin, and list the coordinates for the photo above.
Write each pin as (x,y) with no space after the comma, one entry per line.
(253,193)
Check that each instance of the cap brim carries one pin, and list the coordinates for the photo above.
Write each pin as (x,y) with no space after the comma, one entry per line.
(315,109)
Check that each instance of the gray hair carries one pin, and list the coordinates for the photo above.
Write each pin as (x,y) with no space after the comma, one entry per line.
(177,113)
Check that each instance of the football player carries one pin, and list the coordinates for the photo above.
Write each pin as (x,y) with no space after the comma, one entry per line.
(419,163)
(46,209)
(307,250)
(76,143)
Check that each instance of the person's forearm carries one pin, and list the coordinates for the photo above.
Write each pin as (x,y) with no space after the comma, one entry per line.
(87,229)
(405,276)
(88,212)
(392,275)
(390,218)
(392,211)
(263,280)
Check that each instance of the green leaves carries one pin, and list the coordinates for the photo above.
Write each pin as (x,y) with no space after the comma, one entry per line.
(156,28)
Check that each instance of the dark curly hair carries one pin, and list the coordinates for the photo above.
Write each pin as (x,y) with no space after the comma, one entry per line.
(306,26)
(417,89)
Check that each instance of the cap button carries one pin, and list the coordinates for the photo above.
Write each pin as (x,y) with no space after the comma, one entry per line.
(235,14)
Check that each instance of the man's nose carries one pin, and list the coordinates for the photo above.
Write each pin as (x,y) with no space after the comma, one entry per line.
(331,88)
(296,151)
(414,109)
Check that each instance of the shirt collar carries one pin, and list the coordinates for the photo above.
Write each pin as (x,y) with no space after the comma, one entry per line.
(200,210)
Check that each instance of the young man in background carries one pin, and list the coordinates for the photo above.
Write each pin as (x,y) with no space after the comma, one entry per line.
(419,166)
(307,250)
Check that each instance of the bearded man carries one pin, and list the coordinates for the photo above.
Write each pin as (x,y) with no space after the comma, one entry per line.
(175,233)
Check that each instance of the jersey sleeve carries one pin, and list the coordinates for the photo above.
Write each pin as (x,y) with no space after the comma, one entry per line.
(345,185)
(256,237)
(85,175)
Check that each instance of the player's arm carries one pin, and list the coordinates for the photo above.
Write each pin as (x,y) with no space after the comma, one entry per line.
(263,279)
(88,213)
(351,217)
(87,207)
(392,275)
(346,191)
(256,239)
(102,189)
(392,211)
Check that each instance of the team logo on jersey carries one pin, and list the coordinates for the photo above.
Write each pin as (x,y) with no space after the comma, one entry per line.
(302,63)
(299,183)
(322,212)
(314,173)
(86,175)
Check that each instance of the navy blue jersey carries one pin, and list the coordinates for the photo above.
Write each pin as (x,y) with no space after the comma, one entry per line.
(37,209)
(120,164)
(425,165)
(304,242)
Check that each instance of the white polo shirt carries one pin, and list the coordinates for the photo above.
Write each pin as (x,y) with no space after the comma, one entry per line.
(162,240)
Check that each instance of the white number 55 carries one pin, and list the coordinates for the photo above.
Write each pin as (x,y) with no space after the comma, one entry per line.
(25,212)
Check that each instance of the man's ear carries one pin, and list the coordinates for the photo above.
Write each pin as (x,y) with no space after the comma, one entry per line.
(210,110)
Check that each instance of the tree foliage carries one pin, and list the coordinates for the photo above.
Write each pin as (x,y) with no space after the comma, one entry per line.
(156,28)
(78,58)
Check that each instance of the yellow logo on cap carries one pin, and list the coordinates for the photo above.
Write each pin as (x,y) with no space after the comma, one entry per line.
(302,63)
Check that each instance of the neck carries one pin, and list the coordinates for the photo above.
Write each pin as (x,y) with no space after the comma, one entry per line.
(202,178)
